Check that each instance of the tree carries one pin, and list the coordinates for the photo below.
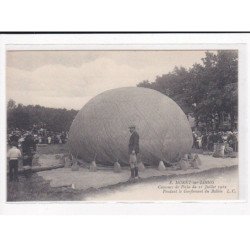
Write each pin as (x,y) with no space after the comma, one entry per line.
(18,118)
(24,117)
(11,104)
(209,89)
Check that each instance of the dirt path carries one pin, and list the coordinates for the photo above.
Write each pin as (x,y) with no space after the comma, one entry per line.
(220,184)
(84,179)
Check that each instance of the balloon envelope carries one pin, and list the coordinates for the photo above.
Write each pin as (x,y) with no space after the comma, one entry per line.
(100,130)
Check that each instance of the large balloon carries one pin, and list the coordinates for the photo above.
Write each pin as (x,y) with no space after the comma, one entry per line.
(100,129)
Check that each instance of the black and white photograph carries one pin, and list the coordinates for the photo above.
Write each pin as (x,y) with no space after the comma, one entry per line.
(122,125)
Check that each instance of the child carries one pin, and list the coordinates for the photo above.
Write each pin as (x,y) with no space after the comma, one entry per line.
(14,154)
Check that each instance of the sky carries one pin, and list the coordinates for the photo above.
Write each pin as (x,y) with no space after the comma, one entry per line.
(69,79)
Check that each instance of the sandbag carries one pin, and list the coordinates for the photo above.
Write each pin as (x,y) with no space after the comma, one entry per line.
(93,167)
(141,166)
(35,160)
(58,157)
(197,158)
(184,164)
(219,150)
(75,167)
(194,164)
(161,166)
(68,162)
(117,167)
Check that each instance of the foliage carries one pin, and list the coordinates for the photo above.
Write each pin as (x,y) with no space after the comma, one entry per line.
(23,117)
(207,89)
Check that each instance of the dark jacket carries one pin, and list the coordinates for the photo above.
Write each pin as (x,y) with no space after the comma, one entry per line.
(29,145)
(134,143)
(14,138)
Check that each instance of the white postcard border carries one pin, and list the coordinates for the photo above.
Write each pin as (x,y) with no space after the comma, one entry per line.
(133,42)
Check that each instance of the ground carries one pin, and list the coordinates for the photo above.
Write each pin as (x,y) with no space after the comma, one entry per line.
(105,184)
(224,187)
(52,149)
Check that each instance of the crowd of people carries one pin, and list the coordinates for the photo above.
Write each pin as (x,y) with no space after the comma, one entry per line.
(40,136)
(23,145)
(208,140)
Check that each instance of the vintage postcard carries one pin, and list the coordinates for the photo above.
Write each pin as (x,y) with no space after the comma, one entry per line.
(122,125)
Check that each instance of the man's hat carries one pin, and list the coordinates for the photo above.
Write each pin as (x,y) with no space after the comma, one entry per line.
(131,126)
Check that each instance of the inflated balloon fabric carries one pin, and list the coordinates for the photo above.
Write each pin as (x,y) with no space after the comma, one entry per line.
(100,129)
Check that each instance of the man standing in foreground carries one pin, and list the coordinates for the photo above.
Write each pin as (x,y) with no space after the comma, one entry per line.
(14,154)
(133,152)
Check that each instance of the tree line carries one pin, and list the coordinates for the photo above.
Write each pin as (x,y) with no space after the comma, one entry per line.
(24,117)
(209,89)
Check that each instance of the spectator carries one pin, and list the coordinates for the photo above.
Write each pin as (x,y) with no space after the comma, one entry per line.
(14,137)
(29,147)
(49,140)
(195,143)
(40,135)
(204,142)
(14,154)
(199,141)
(233,140)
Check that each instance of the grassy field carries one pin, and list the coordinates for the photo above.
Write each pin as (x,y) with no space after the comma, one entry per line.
(35,188)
